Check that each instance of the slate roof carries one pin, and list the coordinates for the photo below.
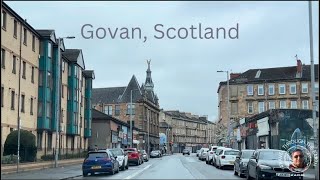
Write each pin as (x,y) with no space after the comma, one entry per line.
(107,95)
(183,116)
(88,73)
(45,32)
(273,74)
(73,56)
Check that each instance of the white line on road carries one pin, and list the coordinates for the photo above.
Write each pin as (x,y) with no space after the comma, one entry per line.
(138,172)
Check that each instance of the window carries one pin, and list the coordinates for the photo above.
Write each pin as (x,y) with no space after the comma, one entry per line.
(15,28)
(48,110)
(33,43)
(4,20)
(39,109)
(293,104)
(39,140)
(3,58)
(49,50)
(32,75)
(261,107)
(271,89)
(24,70)
(49,84)
(293,88)
(12,99)
(14,60)
(250,90)
(260,90)
(282,89)
(283,104)
(62,91)
(49,141)
(117,110)
(305,104)
(24,36)
(234,108)
(63,65)
(304,87)
(31,106)
(250,107)
(272,105)
(22,103)
(316,87)
(129,108)
(2,96)
(40,78)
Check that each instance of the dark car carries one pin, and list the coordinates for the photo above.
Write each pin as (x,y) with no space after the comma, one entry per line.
(270,164)
(240,164)
(100,161)
(186,151)
(134,156)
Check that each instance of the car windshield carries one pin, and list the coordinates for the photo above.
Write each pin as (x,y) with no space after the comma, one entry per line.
(96,155)
(231,152)
(274,155)
(154,151)
(129,150)
(117,152)
(246,154)
(142,151)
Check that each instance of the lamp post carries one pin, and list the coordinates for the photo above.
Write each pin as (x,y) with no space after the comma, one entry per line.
(228,107)
(131,104)
(58,99)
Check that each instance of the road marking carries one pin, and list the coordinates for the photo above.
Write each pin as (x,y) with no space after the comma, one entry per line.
(138,172)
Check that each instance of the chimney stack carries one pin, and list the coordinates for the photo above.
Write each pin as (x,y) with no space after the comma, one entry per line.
(299,69)
(234,75)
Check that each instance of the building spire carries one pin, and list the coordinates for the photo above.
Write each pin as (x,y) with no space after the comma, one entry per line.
(149,84)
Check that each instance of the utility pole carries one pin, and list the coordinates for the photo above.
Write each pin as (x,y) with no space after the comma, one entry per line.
(315,131)
(131,140)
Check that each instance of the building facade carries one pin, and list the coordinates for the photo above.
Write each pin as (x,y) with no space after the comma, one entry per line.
(258,90)
(116,102)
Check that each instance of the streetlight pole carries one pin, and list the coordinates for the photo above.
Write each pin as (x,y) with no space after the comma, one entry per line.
(228,108)
(131,134)
(58,100)
(315,132)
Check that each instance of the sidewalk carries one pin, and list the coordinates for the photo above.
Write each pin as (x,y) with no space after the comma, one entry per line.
(8,169)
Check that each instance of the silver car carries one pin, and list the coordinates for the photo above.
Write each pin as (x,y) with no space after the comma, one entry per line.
(203,153)
(122,158)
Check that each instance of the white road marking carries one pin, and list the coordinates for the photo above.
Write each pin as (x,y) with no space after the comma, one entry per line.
(138,172)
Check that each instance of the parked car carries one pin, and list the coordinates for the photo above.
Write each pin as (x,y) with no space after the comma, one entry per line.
(210,154)
(134,156)
(144,155)
(240,164)
(215,155)
(226,157)
(155,154)
(186,151)
(265,164)
(198,152)
(203,153)
(100,161)
(122,158)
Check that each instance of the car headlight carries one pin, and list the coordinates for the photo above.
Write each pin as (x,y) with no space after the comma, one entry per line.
(120,158)
(243,164)
(264,167)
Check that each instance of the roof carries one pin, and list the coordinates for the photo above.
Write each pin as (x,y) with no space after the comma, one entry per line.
(97,115)
(107,95)
(88,73)
(273,74)
(182,116)
(75,56)
(19,18)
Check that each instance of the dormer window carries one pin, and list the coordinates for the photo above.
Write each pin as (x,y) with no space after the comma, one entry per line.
(258,74)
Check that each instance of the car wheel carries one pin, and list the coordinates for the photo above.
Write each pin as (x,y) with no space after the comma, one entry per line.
(118,169)
(207,162)
(84,174)
(257,177)
(123,166)
(113,172)
(248,176)
(127,166)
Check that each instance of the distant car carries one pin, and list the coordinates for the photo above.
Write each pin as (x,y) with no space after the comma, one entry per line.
(215,155)
(100,161)
(186,151)
(226,158)
(155,154)
(203,153)
(122,158)
(198,151)
(134,156)
(210,154)
(144,155)
(265,164)
(240,164)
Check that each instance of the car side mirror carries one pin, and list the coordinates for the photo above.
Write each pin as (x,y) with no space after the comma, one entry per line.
(115,157)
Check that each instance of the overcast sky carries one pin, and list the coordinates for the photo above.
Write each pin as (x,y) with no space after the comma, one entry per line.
(270,34)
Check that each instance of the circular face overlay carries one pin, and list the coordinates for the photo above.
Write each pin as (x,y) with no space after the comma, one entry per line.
(301,159)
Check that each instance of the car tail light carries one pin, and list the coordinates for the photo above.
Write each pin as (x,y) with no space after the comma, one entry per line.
(222,157)
(211,152)
(106,159)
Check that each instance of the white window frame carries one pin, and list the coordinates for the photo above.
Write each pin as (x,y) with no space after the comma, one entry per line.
(271,86)
(261,107)
(285,104)
(303,105)
(248,106)
(304,86)
(292,103)
(250,93)
(273,103)
(260,87)
(295,88)
(284,86)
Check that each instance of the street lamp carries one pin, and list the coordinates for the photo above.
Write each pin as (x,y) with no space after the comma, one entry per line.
(228,107)
(58,89)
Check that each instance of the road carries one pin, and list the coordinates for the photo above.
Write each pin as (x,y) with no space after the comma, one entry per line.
(170,167)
